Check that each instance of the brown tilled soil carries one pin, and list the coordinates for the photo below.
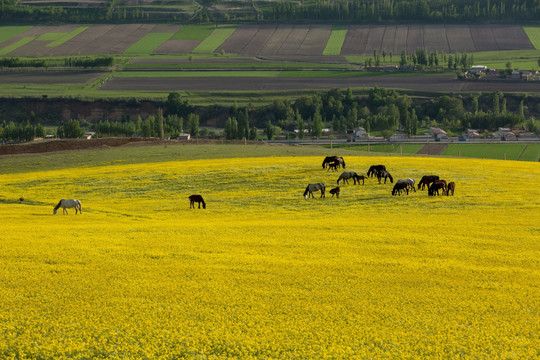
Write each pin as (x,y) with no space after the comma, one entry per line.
(78,144)
(432,149)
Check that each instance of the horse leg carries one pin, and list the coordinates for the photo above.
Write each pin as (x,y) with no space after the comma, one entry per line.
(65,212)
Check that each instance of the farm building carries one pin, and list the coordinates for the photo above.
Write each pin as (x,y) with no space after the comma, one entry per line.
(438,133)
(184,136)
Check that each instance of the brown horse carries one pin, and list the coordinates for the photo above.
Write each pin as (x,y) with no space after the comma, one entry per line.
(333,166)
(451,187)
(426,181)
(196,199)
(335,191)
(436,186)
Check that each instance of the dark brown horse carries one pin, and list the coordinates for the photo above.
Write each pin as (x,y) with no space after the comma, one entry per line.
(436,186)
(399,187)
(337,160)
(375,169)
(335,191)
(333,166)
(426,181)
(384,174)
(451,187)
(345,176)
(196,199)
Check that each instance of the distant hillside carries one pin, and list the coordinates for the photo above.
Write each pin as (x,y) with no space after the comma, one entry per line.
(224,11)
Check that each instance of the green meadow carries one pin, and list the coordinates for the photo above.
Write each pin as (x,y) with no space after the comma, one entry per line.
(148,43)
(335,42)
(193,32)
(215,39)
(7,32)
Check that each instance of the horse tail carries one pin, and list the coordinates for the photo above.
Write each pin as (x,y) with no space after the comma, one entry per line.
(80,206)
(59,204)
(203,203)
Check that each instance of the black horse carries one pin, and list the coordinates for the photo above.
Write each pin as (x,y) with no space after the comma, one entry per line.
(436,186)
(375,169)
(337,160)
(426,181)
(335,191)
(386,175)
(399,187)
(196,199)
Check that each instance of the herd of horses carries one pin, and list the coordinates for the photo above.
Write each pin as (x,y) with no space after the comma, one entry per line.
(432,182)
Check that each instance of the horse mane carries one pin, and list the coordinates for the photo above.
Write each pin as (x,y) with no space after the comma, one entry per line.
(307,190)
(59,204)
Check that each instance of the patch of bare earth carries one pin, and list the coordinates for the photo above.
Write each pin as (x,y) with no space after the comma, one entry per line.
(432,149)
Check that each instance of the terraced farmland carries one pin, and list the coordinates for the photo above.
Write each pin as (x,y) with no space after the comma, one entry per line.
(283,40)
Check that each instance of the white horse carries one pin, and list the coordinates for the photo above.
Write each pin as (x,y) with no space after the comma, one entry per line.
(68,204)
(409,182)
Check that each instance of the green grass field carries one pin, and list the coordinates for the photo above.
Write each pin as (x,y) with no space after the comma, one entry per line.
(148,43)
(68,36)
(533,32)
(52,36)
(512,151)
(531,153)
(196,74)
(193,32)
(214,39)
(16,45)
(381,148)
(335,42)
(7,32)
(233,65)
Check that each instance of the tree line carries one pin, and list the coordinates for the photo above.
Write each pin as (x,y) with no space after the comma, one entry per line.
(380,110)
(326,10)
(94,62)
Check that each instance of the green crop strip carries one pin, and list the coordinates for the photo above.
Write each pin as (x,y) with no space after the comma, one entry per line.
(335,41)
(16,45)
(193,32)
(68,36)
(533,32)
(196,74)
(7,32)
(51,36)
(215,39)
(148,43)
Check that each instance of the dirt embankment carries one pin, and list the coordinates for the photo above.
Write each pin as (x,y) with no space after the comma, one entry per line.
(76,144)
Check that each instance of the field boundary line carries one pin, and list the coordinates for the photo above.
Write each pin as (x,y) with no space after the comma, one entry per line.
(523,151)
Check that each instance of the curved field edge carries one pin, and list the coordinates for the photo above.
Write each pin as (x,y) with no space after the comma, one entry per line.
(264,273)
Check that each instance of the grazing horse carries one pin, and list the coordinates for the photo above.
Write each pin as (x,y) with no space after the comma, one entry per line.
(196,199)
(335,191)
(336,160)
(426,181)
(375,169)
(451,187)
(345,176)
(409,182)
(384,174)
(399,187)
(436,186)
(314,187)
(333,166)
(68,204)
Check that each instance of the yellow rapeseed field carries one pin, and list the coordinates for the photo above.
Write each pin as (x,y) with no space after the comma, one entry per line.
(263,273)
